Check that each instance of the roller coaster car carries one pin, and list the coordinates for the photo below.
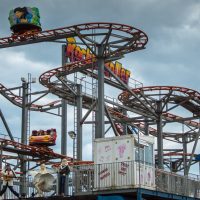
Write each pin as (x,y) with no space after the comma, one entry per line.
(25,31)
(24,23)
(41,137)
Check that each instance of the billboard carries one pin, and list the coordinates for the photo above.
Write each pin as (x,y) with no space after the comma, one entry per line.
(76,53)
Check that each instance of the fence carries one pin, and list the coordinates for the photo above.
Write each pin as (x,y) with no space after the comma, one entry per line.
(30,189)
(16,186)
(86,179)
(127,175)
(177,184)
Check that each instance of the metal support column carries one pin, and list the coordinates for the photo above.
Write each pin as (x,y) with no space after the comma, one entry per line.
(64,123)
(146,126)
(139,194)
(24,135)
(185,155)
(100,101)
(125,125)
(159,134)
(64,112)
(79,118)
(1,160)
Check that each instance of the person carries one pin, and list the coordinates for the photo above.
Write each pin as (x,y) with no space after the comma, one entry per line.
(63,171)
(34,133)
(8,175)
(22,15)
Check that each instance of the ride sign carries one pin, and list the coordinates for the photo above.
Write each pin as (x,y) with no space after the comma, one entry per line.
(76,53)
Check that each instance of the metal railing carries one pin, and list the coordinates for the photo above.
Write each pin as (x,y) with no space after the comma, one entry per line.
(16,186)
(177,184)
(86,179)
(87,85)
(30,189)
(127,175)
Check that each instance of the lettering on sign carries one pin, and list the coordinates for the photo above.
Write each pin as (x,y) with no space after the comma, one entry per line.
(104,173)
(123,169)
(76,53)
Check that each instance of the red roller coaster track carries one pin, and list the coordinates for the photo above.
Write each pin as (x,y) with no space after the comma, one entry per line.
(115,46)
(133,40)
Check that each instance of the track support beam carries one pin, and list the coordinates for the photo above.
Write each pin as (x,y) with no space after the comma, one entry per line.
(100,101)
(160,134)
(64,113)
(23,168)
(79,118)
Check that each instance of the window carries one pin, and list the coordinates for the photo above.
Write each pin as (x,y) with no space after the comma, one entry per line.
(149,154)
(139,154)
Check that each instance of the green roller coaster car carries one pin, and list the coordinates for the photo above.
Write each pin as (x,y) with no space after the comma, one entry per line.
(24,19)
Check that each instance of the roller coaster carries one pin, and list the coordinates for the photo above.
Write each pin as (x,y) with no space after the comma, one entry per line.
(138,110)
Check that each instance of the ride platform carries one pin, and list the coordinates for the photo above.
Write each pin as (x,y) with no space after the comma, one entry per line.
(124,194)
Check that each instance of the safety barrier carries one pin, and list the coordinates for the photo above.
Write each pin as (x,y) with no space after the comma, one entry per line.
(128,175)
(85,179)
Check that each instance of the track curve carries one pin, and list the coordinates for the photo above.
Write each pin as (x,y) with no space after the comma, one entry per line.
(185,97)
(135,37)
(45,79)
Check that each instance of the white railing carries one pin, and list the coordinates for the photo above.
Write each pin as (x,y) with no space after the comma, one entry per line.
(127,175)
(30,189)
(86,179)
(177,184)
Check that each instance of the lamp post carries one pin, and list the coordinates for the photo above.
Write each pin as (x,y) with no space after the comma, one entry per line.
(24,129)
(72,135)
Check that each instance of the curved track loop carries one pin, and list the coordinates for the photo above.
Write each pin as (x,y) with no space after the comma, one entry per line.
(194,95)
(184,97)
(17,100)
(45,79)
(133,39)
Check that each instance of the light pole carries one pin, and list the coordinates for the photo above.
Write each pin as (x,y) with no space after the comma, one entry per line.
(24,129)
(72,135)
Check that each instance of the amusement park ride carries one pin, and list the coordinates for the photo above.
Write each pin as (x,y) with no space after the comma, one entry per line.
(93,50)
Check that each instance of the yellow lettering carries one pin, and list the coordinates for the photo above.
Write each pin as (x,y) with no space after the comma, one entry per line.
(71,45)
(112,67)
(88,56)
(75,53)
(118,67)
(123,74)
(79,53)
(128,74)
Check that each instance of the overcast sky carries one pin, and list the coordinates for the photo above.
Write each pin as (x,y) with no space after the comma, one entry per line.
(171,56)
